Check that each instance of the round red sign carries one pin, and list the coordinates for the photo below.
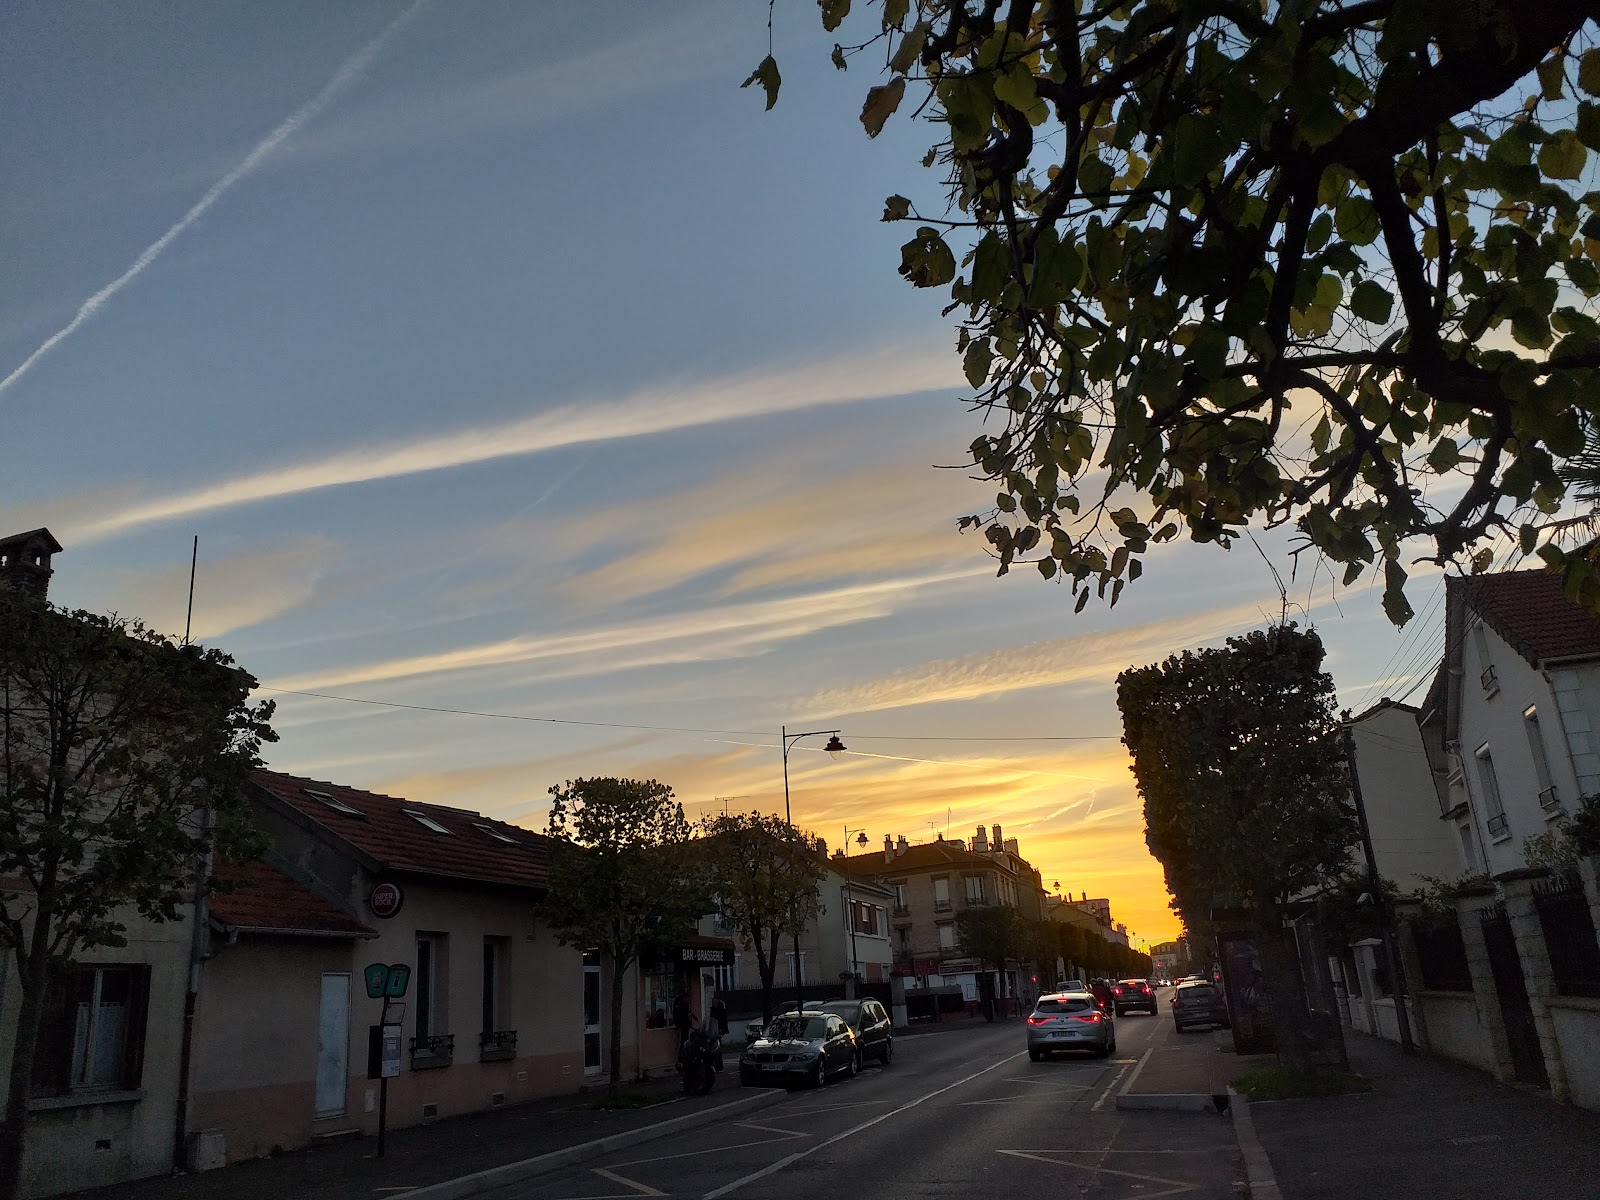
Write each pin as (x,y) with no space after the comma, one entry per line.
(385,899)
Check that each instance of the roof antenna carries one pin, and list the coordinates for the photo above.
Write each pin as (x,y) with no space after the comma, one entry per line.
(194,558)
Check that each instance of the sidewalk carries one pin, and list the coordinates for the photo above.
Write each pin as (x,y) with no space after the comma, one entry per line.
(426,1154)
(1430,1130)
(1186,1071)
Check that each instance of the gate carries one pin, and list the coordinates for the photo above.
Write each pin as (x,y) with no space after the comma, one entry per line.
(1527,1059)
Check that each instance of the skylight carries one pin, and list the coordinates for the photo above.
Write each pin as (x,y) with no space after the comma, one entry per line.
(333,802)
(495,834)
(424,820)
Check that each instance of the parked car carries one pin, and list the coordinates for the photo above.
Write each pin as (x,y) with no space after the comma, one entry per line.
(800,1048)
(1129,994)
(1198,1002)
(869,1022)
(1070,1021)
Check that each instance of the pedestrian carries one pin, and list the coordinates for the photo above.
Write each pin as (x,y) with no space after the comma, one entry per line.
(719,1014)
(682,1017)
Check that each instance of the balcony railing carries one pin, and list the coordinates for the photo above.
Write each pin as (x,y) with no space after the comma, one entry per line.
(978,902)
(436,1051)
(1497,825)
(941,906)
(497,1045)
(900,910)
(1489,680)
(1550,799)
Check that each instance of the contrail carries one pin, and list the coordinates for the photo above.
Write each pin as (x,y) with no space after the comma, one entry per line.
(342,78)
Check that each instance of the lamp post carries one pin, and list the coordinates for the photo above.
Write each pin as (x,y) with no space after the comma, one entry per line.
(834,748)
(850,901)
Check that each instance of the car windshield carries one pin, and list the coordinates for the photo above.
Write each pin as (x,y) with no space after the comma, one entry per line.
(1064,1004)
(796,1027)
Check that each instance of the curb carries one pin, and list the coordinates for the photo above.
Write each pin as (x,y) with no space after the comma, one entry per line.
(543,1164)
(1257,1166)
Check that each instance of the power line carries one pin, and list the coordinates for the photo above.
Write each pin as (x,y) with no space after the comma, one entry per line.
(501,716)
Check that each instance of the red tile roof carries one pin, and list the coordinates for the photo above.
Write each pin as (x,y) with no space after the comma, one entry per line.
(1531,612)
(266,900)
(464,845)
(924,856)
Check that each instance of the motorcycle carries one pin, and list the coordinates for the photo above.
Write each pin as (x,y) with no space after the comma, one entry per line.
(699,1061)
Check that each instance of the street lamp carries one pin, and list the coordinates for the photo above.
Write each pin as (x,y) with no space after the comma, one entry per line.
(834,748)
(850,900)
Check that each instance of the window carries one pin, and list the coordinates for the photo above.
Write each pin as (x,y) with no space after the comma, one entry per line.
(486,830)
(333,802)
(800,981)
(659,994)
(424,820)
(863,918)
(1549,798)
(899,896)
(976,893)
(947,936)
(904,934)
(1480,644)
(726,976)
(428,984)
(496,982)
(1469,848)
(91,1035)
(941,894)
(1496,809)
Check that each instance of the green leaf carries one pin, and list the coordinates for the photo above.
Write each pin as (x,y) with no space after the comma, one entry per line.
(1527,539)
(976,362)
(1446,454)
(835,11)
(1589,72)
(1047,567)
(926,261)
(1372,302)
(991,265)
(1588,125)
(1057,269)
(767,76)
(880,103)
(1563,156)
(1552,73)
(896,208)
(1357,221)
(1530,329)
(894,12)
(1395,606)
(909,49)
(1018,88)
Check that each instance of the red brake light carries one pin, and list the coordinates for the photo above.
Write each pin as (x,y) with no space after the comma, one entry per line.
(1117,991)
(1040,1020)
(1087,1018)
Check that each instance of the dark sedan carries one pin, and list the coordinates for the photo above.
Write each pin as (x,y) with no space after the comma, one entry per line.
(1129,994)
(1198,1003)
(871,1024)
(800,1048)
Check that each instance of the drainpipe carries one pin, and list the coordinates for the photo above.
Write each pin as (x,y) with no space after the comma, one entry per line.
(191,998)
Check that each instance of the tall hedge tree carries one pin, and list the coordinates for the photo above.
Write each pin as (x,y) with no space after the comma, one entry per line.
(123,760)
(622,877)
(764,875)
(1238,756)
(1327,263)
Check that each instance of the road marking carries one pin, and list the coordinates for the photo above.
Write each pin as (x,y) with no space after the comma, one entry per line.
(788,1135)
(1106,1095)
(826,1108)
(640,1189)
(1177,1186)
(774,1168)
(1128,1087)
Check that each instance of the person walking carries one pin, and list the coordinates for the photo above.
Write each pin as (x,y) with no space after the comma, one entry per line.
(682,1017)
(719,1015)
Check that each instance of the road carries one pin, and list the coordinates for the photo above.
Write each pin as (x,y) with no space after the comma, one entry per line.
(958,1114)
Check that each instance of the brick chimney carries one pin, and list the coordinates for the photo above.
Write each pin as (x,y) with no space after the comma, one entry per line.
(901,845)
(980,842)
(1011,847)
(25,561)
(999,841)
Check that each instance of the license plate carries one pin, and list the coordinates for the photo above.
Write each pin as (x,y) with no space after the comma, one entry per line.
(772,1066)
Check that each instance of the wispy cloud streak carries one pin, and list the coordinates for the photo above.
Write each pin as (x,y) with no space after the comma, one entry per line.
(897,371)
(348,72)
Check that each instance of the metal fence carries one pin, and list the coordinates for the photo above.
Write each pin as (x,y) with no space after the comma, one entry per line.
(1569,935)
(1442,956)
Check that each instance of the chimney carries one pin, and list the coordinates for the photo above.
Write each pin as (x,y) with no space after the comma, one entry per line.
(888,847)
(980,842)
(1011,846)
(25,561)
(999,841)
(901,846)
(1086,895)
(822,847)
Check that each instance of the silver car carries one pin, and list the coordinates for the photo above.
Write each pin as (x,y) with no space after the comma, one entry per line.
(1070,1021)
(800,1048)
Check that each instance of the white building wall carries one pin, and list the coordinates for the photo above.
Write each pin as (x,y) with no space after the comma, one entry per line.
(1408,838)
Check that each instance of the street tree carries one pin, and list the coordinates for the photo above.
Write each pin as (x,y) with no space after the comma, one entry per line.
(623,880)
(992,934)
(1238,755)
(1323,264)
(764,876)
(122,779)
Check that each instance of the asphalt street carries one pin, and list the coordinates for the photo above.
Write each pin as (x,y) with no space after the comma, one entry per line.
(955,1115)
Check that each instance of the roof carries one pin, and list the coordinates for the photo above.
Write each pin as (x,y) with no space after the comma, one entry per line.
(924,856)
(266,901)
(43,534)
(1532,613)
(416,838)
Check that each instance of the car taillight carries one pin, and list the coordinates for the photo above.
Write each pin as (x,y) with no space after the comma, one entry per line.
(1087,1018)
(1040,1020)
(1116,991)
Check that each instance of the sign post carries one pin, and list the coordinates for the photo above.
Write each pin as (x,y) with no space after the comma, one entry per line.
(386,982)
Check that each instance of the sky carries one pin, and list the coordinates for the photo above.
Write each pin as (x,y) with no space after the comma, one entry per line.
(509,359)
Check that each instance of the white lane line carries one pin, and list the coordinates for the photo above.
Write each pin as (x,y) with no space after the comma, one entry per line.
(1178,1187)
(787,1135)
(827,1108)
(1106,1095)
(1132,1079)
(773,1168)
(639,1189)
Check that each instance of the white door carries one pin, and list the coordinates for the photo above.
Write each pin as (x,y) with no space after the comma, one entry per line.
(333,1045)
(591,1014)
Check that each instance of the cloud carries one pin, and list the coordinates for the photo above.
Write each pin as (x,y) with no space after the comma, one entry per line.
(349,71)
(1093,657)
(846,379)
(230,593)
(727,632)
